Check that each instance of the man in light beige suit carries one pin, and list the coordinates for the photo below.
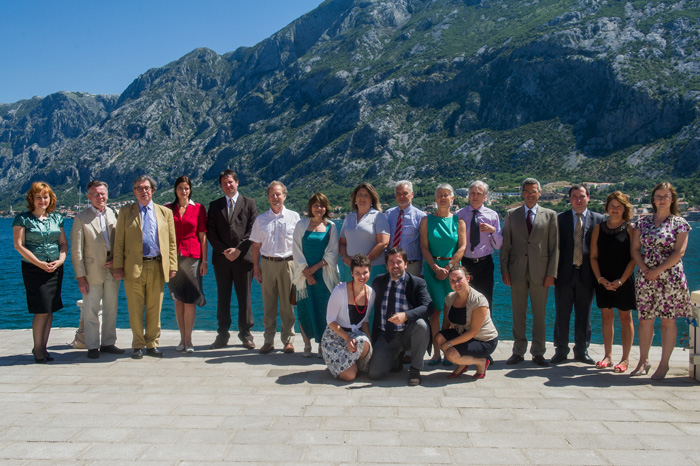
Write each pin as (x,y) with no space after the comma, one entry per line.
(529,259)
(145,255)
(92,242)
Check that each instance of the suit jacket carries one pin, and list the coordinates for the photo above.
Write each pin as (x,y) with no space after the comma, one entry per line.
(88,248)
(566,246)
(222,235)
(128,241)
(537,252)
(419,302)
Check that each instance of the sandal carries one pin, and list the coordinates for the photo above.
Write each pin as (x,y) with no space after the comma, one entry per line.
(604,364)
(621,367)
(307,351)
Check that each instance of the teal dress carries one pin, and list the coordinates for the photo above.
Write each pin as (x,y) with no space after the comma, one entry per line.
(312,309)
(443,237)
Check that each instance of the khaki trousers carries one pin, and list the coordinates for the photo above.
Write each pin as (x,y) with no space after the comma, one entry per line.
(104,295)
(144,297)
(538,299)
(276,285)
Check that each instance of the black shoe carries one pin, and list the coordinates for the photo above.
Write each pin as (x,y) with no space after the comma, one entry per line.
(221,341)
(584,358)
(558,357)
(413,377)
(154,352)
(137,353)
(93,353)
(514,359)
(111,349)
(540,360)
(398,364)
(39,360)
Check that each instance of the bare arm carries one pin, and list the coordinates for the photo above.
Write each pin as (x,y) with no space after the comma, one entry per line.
(256,262)
(461,245)
(378,249)
(478,316)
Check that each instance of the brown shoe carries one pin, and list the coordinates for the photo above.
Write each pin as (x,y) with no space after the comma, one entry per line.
(248,344)
(289,348)
(266,348)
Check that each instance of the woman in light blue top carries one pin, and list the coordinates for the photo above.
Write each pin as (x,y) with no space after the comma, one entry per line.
(39,237)
(365,231)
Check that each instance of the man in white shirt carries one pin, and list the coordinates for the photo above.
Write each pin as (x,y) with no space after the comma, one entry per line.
(92,241)
(272,237)
(404,223)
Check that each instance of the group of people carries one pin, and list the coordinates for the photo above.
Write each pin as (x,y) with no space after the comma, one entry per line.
(402,270)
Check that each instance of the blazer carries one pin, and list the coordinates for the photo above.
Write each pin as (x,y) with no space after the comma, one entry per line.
(536,253)
(222,236)
(128,241)
(88,248)
(566,246)
(419,302)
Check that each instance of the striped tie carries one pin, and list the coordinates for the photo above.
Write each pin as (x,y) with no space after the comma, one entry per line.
(399,228)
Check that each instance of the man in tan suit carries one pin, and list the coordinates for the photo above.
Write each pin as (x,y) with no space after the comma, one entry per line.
(145,254)
(92,242)
(529,259)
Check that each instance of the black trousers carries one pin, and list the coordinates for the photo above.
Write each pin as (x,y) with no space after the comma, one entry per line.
(482,277)
(573,296)
(239,275)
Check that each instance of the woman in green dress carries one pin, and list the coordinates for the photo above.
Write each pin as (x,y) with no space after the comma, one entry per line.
(443,239)
(315,252)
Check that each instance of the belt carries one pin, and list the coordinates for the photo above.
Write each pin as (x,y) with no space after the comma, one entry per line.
(155,258)
(278,259)
(476,260)
(442,258)
(413,262)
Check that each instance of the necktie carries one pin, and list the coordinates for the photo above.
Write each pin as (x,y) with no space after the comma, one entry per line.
(528,221)
(149,233)
(474,234)
(578,241)
(390,311)
(399,229)
(230,210)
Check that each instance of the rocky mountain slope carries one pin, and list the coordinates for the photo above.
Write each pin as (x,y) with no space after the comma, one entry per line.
(386,89)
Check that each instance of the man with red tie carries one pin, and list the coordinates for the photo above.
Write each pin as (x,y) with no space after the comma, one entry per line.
(529,259)
(404,225)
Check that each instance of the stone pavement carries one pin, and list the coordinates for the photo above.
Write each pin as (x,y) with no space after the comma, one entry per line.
(234,406)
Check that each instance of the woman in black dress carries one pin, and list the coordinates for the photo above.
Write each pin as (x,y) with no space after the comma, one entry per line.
(613,266)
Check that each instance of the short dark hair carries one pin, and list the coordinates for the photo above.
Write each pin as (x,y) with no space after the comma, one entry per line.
(143,178)
(226,173)
(360,260)
(396,250)
(319,198)
(579,186)
(182,179)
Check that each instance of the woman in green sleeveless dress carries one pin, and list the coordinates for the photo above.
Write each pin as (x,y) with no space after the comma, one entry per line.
(443,241)
(315,252)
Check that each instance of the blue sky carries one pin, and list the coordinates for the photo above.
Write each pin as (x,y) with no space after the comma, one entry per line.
(100,46)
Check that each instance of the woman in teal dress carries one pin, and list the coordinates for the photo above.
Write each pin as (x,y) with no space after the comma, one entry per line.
(39,237)
(315,251)
(443,239)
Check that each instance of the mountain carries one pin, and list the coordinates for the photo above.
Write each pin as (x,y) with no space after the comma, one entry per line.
(388,89)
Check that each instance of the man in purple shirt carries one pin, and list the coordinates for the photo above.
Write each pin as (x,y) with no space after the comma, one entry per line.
(483,236)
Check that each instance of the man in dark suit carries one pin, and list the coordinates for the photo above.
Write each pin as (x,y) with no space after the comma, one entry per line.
(529,258)
(229,222)
(402,308)
(575,281)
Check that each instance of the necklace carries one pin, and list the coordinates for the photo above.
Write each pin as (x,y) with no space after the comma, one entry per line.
(354,300)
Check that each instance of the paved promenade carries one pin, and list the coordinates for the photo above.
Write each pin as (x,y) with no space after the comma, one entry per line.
(235,406)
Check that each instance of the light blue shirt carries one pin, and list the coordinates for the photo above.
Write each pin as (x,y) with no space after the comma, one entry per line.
(362,237)
(410,233)
(149,229)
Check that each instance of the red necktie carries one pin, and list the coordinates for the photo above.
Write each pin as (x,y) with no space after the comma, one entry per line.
(399,227)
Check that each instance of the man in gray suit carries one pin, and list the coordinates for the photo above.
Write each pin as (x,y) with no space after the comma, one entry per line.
(92,241)
(575,282)
(529,258)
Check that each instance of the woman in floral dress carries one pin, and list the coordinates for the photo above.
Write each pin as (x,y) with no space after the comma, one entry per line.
(658,246)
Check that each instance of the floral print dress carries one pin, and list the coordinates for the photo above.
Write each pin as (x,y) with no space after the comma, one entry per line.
(667,296)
